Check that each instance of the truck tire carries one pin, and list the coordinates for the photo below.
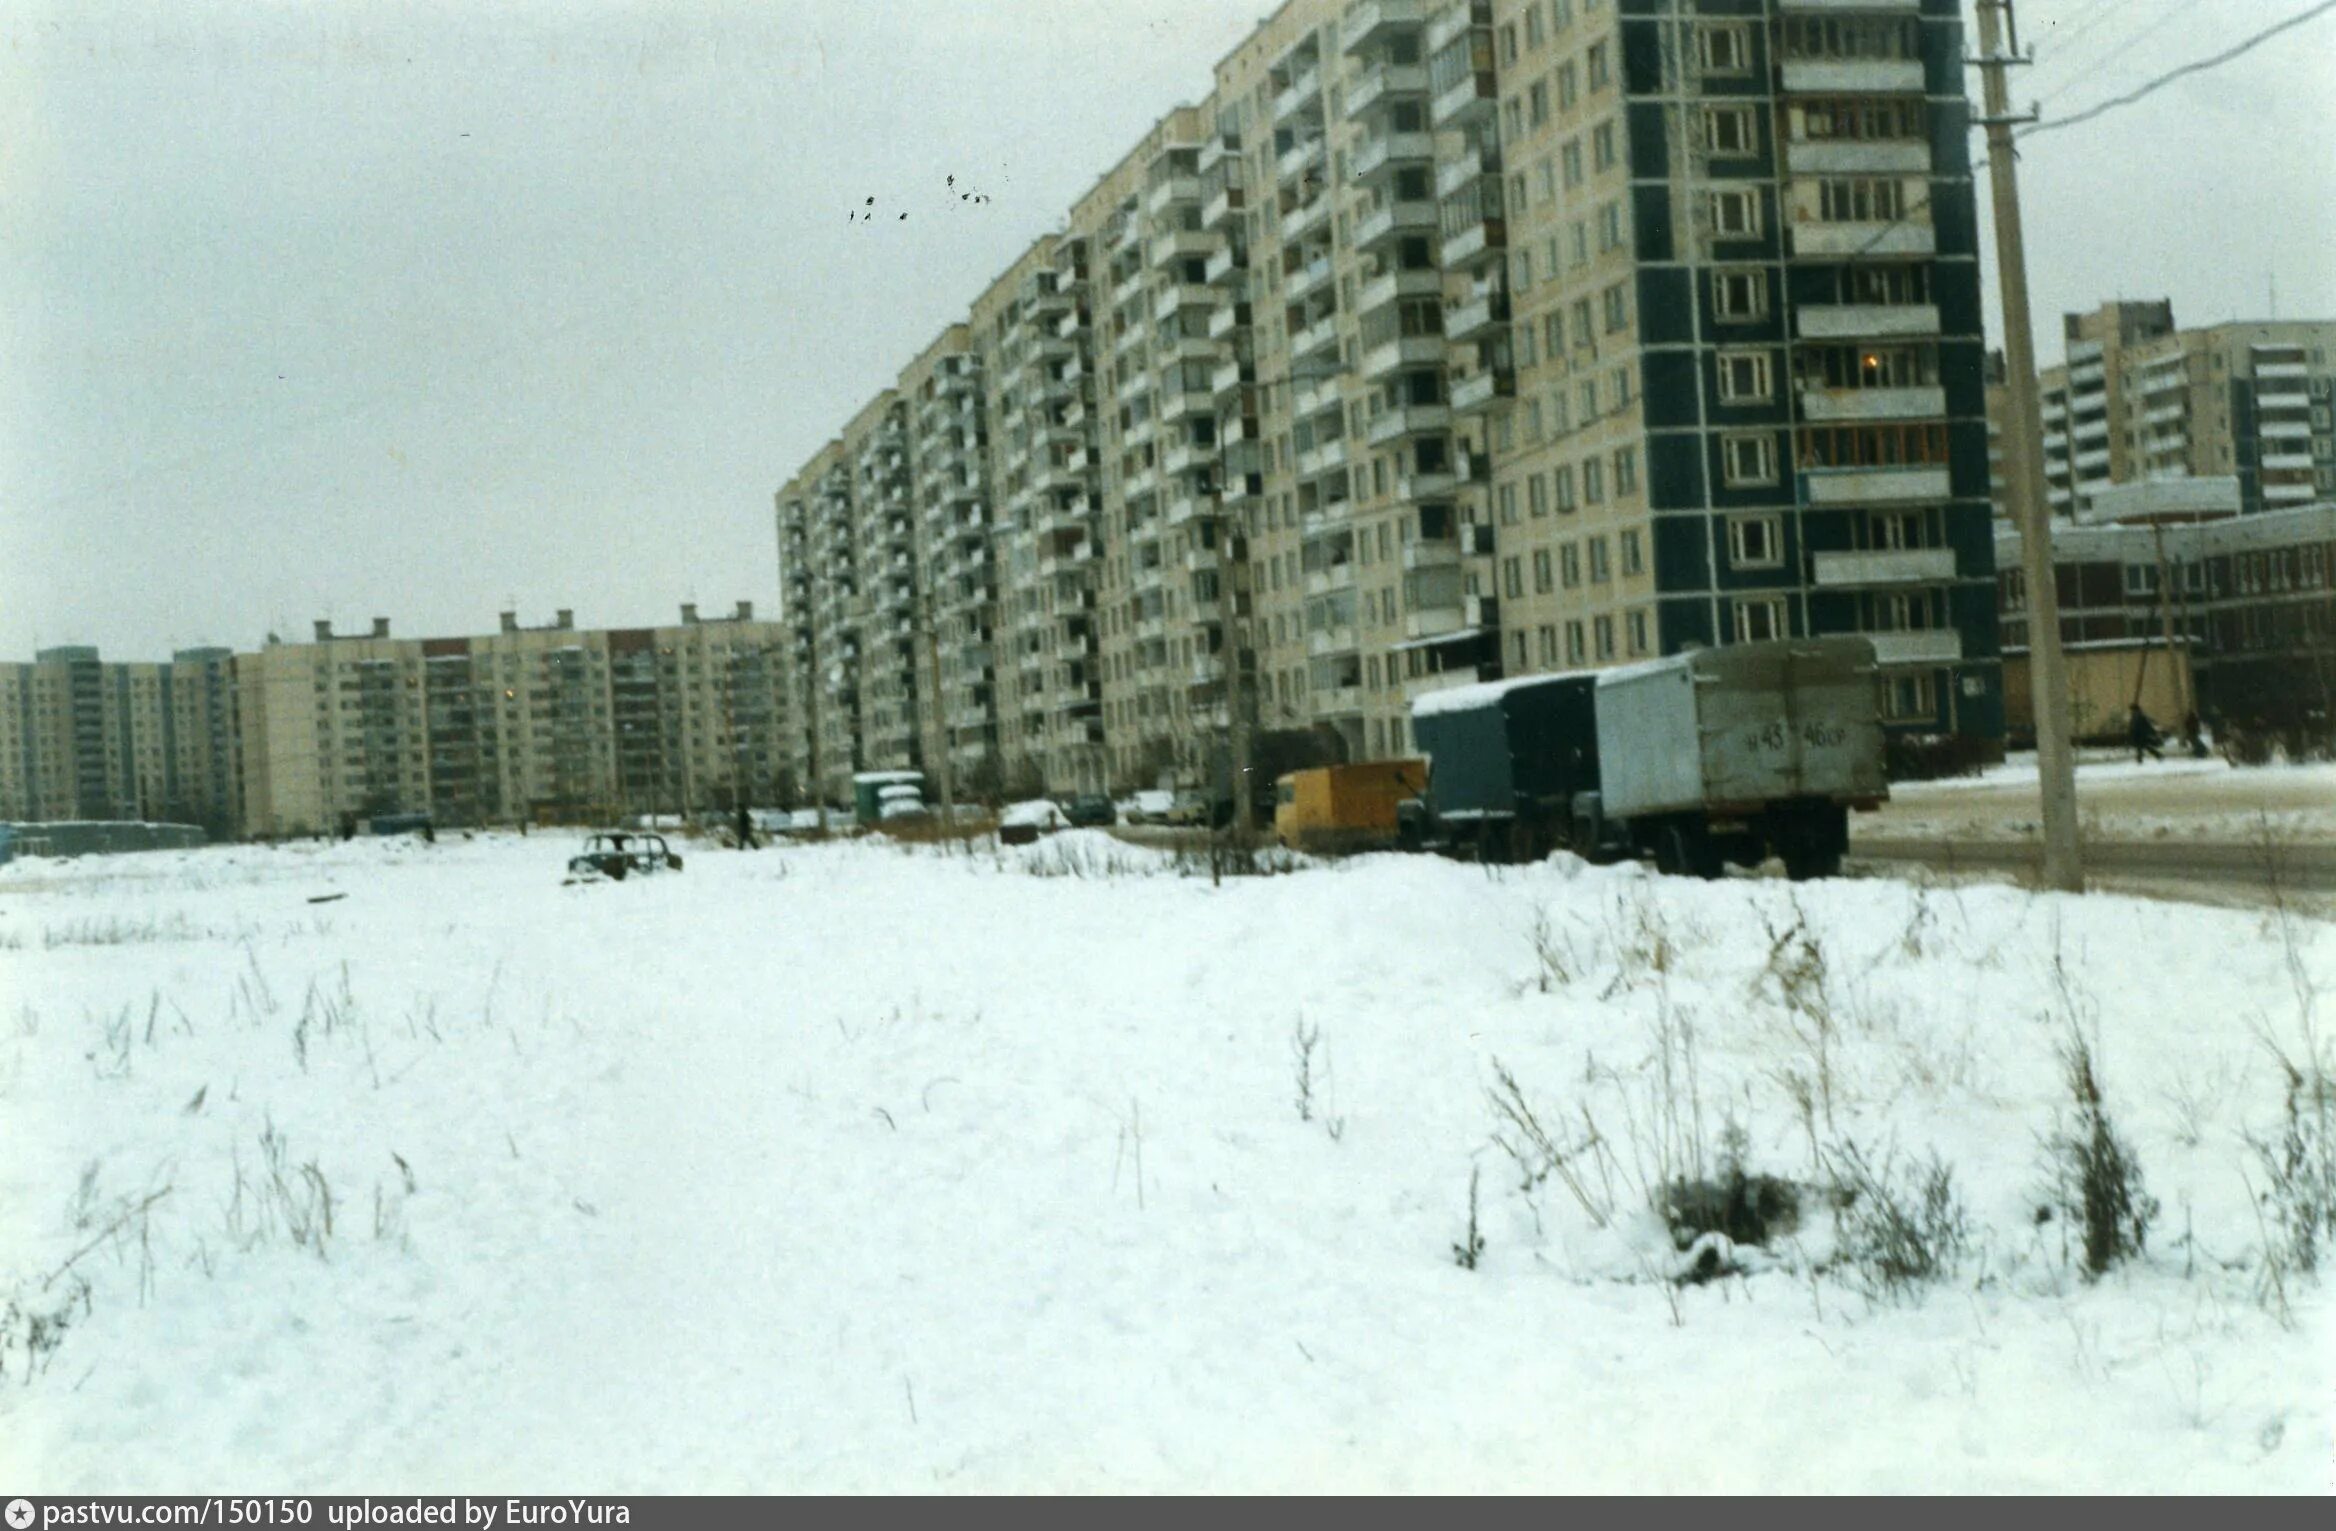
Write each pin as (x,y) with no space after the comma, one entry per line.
(1685,849)
(1804,861)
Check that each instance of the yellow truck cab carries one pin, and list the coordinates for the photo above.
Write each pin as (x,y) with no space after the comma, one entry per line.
(1344,808)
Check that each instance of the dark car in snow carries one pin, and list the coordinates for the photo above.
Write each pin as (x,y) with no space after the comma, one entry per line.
(1092,810)
(618,856)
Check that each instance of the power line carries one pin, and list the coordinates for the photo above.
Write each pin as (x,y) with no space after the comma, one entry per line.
(2123,48)
(2171,75)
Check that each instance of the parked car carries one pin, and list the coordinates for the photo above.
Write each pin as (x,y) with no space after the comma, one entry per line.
(1148,807)
(615,857)
(1188,809)
(1092,810)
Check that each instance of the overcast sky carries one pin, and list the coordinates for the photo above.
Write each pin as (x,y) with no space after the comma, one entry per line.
(366,310)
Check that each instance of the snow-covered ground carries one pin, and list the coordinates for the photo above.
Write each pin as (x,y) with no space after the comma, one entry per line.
(2171,799)
(850,1167)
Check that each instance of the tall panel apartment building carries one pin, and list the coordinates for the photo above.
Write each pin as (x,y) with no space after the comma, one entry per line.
(1747,338)
(1034,326)
(956,616)
(819,587)
(83,738)
(553,722)
(1451,340)
(2139,400)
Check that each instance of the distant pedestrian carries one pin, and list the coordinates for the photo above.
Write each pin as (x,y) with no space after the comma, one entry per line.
(2194,735)
(2143,735)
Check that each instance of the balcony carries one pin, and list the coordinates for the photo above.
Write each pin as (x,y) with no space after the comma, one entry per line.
(1472,245)
(1877,240)
(1168,193)
(1408,420)
(1933,646)
(1903,566)
(1315,396)
(1329,577)
(1830,404)
(1433,553)
(1839,156)
(1299,157)
(1339,639)
(1450,615)
(1465,100)
(1852,77)
(1307,280)
(1478,164)
(1328,457)
(1483,391)
(1864,321)
(1478,316)
(1168,301)
(1394,221)
(1300,94)
(1878,486)
(1384,83)
(1225,380)
(1395,355)
(1372,19)
(1315,338)
(1379,292)
(1184,244)
(1305,218)
(1223,265)
(1391,151)
(1220,208)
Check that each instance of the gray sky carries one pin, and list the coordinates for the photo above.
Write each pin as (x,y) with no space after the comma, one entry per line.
(404,311)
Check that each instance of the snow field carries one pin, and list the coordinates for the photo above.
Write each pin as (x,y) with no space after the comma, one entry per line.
(853,1168)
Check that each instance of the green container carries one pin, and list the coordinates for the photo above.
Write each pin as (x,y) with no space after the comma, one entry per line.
(868,786)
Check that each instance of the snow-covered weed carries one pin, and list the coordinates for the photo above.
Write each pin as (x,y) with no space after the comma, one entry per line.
(1900,1224)
(280,1199)
(2093,1180)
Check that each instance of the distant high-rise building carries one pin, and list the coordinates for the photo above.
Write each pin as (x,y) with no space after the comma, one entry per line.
(551,723)
(2139,400)
(86,738)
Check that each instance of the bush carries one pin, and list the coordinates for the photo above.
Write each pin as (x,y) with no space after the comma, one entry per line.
(2095,1181)
(1901,1227)
(2299,1168)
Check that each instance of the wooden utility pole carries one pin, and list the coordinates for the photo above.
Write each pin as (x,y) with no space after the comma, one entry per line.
(811,689)
(1236,686)
(2047,669)
(941,770)
(2180,670)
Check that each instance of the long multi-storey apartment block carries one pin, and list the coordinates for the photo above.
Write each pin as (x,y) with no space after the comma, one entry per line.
(1450,340)
(526,723)
(1036,325)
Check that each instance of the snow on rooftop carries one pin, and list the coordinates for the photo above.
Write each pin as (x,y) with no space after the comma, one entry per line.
(1484,693)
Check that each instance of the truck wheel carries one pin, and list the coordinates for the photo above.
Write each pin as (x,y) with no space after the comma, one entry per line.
(1803,862)
(1685,850)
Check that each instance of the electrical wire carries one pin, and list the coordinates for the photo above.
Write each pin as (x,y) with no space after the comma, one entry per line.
(2198,66)
(2181,8)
